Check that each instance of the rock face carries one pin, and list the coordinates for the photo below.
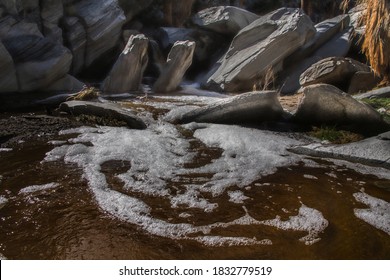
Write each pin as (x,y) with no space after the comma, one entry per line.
(8,81)
(38,61)
(227,20)
(102,21)
(326,104)
(332,70)
(179,60)
(374,150)
(103,110)
(262,45)
(132,7)
(126,74)
(378,93)
(251,107)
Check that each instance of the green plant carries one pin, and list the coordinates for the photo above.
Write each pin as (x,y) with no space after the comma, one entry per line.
(380,103)
(334,136)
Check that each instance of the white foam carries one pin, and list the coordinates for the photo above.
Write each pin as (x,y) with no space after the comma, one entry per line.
(237,197)
(3,201)
(230,241)
(378,213)
(38,188)
(57,142)
(5,149)
(2,257)
(307,176)
(245,159)
(308,219)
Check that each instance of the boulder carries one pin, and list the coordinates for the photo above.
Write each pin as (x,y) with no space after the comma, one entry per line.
(363,81)
(127,72)
(51,13)
(332,70)
(338,46)
(251,107)
(76,40)
(68,84)
(11,27)
(179,60)
(259,47)
(8,80)
(373,151)
(207,43)
(227,20)
(102,110)
(102,21)
(377,93)
(38,62)
(326,104)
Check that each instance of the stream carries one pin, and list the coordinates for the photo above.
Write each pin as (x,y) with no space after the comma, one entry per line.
(195,191)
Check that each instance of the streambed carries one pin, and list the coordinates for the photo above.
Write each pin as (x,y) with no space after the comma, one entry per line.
(197,191)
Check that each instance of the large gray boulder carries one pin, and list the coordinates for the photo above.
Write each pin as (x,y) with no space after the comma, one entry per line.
(332,70)
(374,150)
(377,93)
(76,37)
(179,60)
(51,12)
(38,61)
(127,72)
(103,110)
(326,104)
(102,21)
(8,80)
(337,46)
(227,20)
(132,7)
(251,107)
(260,46)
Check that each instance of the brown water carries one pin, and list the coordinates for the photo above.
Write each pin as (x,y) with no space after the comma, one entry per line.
(66,222)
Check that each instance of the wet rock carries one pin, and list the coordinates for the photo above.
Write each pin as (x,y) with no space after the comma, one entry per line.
(374,150)
(108,111)
(38,62)
(179,60)
(332,70)
(378,93)
(251,107)
(8,81)
(326,104)
(102,21)
(227,20)
(262,45)
(127,72)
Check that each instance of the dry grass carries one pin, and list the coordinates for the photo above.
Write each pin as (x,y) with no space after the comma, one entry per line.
(87,93)
(376,44)
(265,82)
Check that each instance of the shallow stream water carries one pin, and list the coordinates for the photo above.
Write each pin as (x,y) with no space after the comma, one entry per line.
(187,192)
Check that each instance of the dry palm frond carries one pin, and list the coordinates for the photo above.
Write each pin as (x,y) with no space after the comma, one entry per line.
(376,43)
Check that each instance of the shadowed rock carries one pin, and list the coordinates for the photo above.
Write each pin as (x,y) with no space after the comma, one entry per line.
(103,110)
(251,107)
(332,70)
(127,72)
(179,60)
(326,104)
(378,93)
(8,81)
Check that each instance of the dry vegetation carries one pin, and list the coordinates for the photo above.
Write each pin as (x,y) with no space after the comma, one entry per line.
(376,43)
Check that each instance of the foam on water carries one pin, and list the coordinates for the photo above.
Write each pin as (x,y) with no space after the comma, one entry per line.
(2,257)
(378,213)
(3,201)
(244,159)
(308,219)
(237,197)
(38,188)
(5,149)
(158,155)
